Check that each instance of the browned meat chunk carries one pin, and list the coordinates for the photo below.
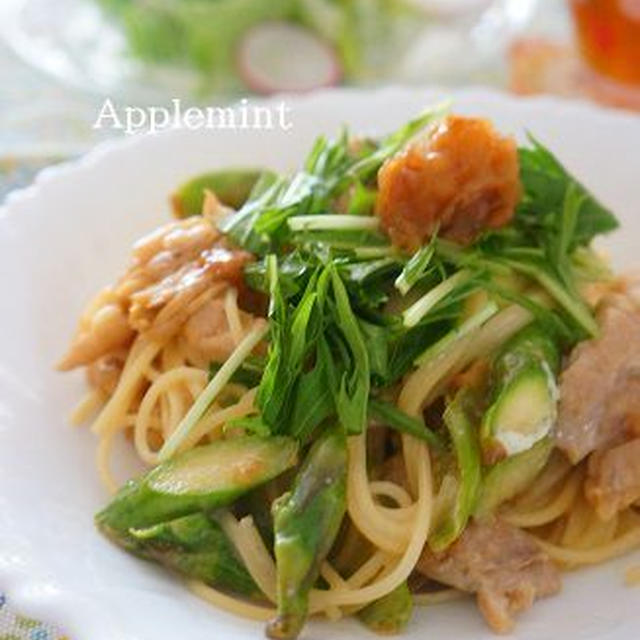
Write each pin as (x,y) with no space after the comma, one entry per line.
(501,564)
(165,305)
(104,328)
(461,176)
(165,250)
(600,389)
(613,480)
(174,271)
(207,334)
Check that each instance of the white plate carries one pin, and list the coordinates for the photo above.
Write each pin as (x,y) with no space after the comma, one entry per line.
(70,233)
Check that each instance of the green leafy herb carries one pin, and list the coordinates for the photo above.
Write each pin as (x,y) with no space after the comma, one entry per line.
(248,374)
(417,267)
(389,415)
(353,392)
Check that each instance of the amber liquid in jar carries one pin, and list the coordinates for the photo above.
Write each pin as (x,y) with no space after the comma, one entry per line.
(608,33)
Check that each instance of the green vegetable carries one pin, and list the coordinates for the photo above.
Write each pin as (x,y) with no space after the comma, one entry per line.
(390,416)
(248,374)
(556,218)
(331,168)
(416,268)
(293,333)
(524,397)
(314,400)
(201,34)
(261,225)
(201,479)
(565,296)
(391,613)
(293,271)
(353,393)
(336,379)
(465,446)
(512,476)
(367,34)
(196,546)
(456,334)
(547,185)
(306,523)
(189,422)
(231,186)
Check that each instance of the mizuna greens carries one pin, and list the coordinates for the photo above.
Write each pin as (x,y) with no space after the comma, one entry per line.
(298,474)
(329,283)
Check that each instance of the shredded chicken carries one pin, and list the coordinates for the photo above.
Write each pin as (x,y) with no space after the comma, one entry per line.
(600,388)
(503,565)
(613,480)
(103,329)
(207,332)
(461,177)
(164,251)
(174,272)
(165,305)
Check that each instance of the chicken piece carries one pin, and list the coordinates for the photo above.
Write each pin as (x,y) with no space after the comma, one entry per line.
(461,177)
(207,334)
(174,271)
(104,373)
(501,564)
(163,307)
(164,251)
(600,389)
(613,479)
(104,330)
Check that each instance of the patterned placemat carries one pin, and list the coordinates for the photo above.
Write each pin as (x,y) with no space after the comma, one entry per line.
(16,627)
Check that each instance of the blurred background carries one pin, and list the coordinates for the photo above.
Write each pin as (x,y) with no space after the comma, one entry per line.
(59,59)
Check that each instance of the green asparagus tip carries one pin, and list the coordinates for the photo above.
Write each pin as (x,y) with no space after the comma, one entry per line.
(285,626)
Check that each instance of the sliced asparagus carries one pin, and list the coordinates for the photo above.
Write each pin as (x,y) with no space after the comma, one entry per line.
(465,446)
(196,546)
(204,478)
(232,187)
(524,397)
(390,614)
(306,522)
(512,476)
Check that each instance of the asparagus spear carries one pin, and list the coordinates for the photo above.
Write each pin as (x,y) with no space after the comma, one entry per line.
(524,396)
(199,480)
(511,476)
(306,522)
(391,613)
(196,546)
(465,445)
(232,187)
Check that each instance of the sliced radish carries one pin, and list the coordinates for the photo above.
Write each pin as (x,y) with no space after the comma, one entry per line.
(279,56)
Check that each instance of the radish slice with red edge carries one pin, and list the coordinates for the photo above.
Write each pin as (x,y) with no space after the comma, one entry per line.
(279,56)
